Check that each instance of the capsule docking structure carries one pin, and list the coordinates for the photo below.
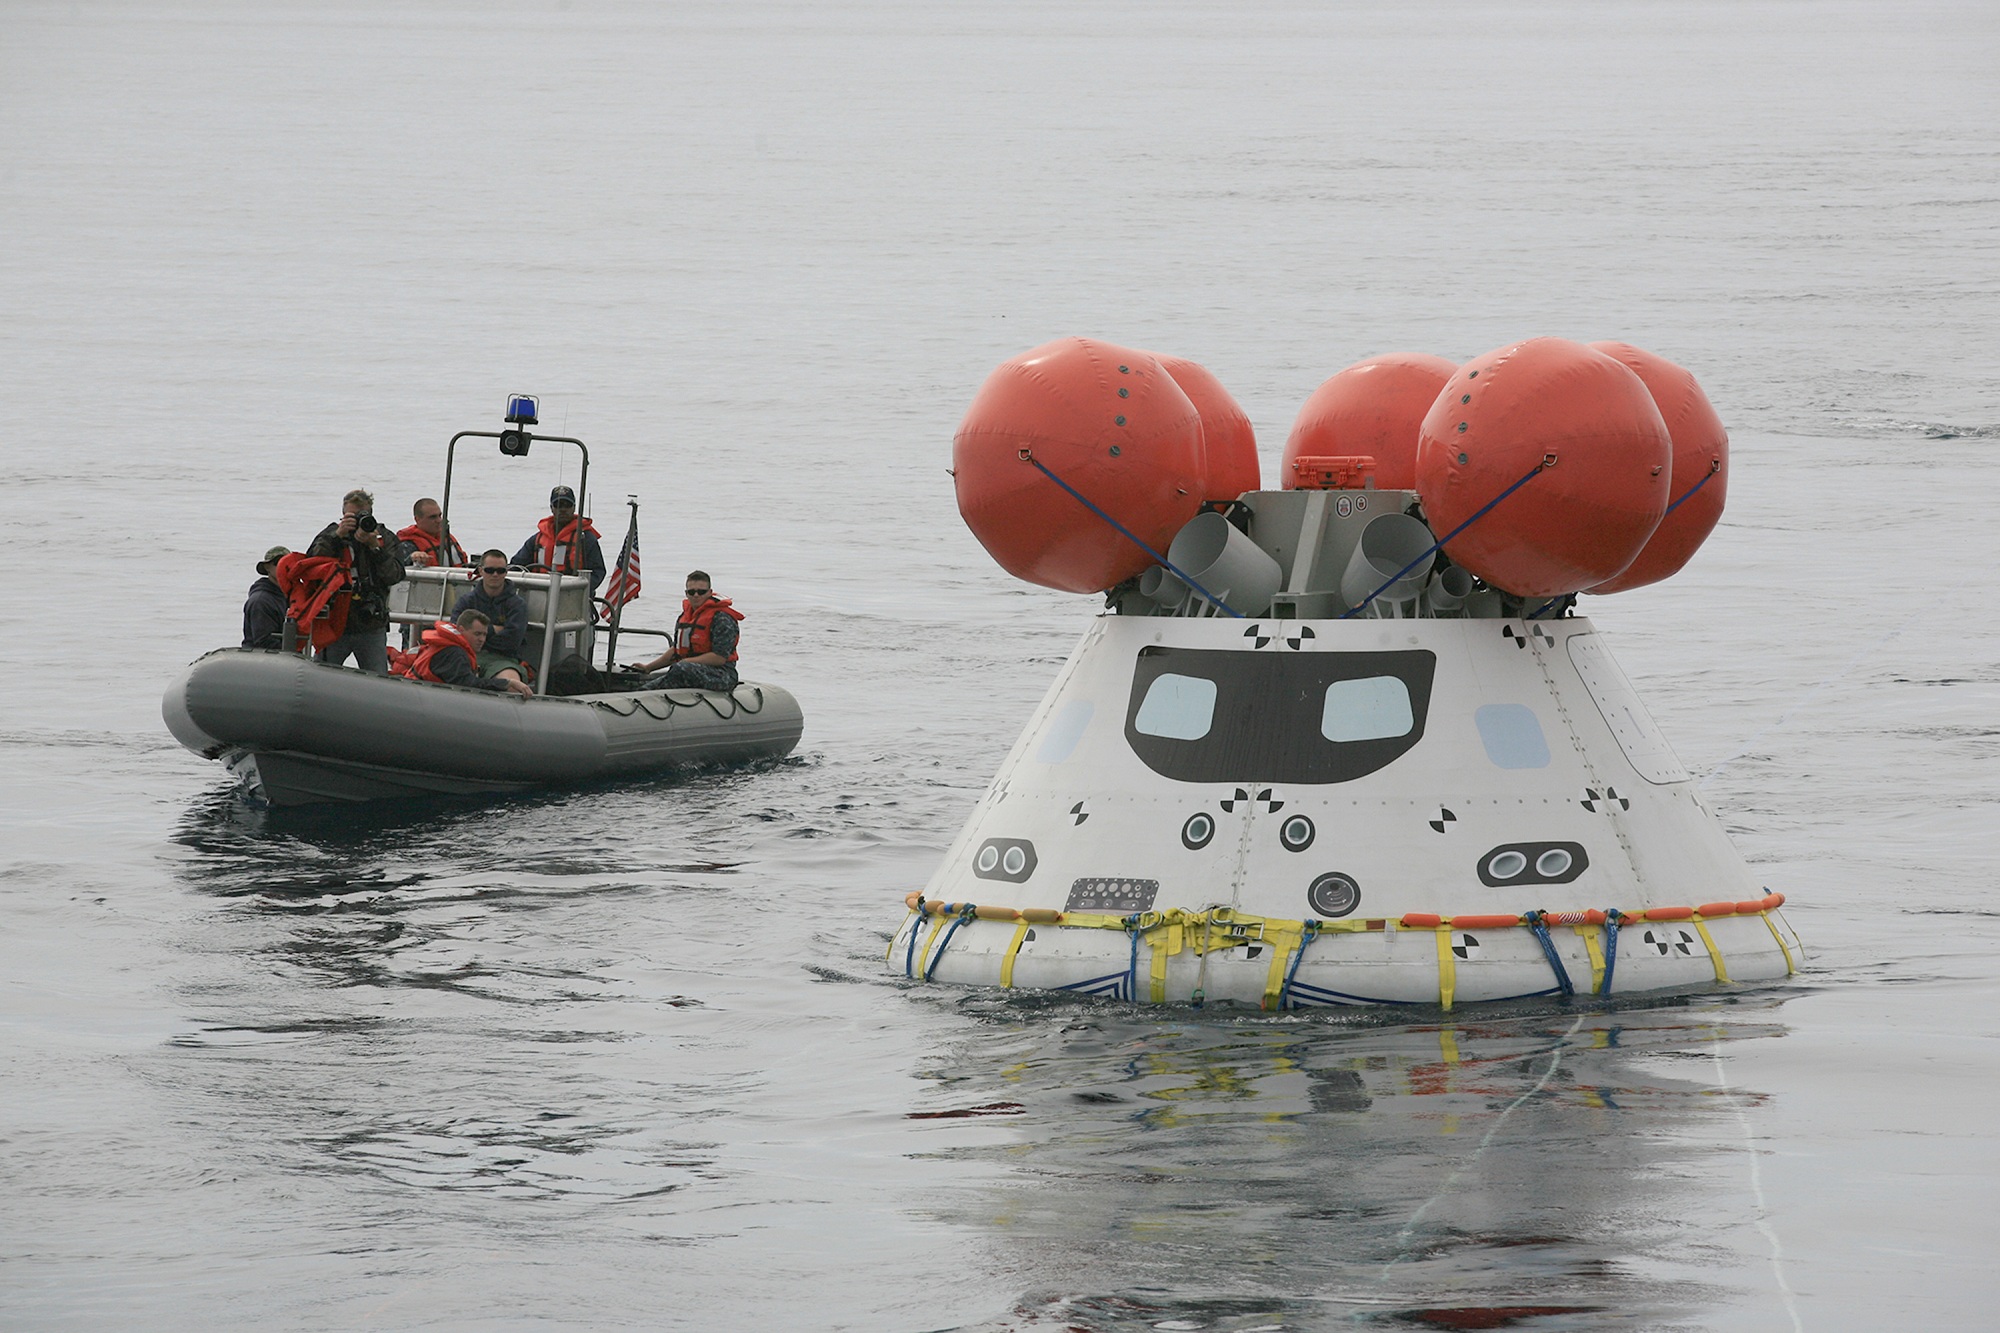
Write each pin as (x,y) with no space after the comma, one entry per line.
(1334,743)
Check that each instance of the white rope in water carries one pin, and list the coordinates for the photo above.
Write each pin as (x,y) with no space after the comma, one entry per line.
(1410,1227)
(1806,701)
(1764,1227)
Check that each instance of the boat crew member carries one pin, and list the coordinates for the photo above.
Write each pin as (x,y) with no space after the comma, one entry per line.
(564,541)
(450,656)
(265,609)
(496,598)
(418,544)
(704,653)
(367,551)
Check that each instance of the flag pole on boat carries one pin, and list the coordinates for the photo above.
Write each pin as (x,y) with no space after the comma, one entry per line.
(622,587)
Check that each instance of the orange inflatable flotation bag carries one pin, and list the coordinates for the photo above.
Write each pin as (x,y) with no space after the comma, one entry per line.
(1372,409)
(1111,422)
(317,590)
(1701,450)
(1228,441)
(1586,515)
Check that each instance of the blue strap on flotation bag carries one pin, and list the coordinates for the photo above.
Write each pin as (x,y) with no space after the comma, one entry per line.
(1538,922)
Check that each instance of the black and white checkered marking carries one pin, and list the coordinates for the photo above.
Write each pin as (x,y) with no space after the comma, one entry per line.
(1593,798)
(1664,942)
(1445,819)
(1262,799)
(1079,812)
(1535,631)
(1297,637)
(1465,945)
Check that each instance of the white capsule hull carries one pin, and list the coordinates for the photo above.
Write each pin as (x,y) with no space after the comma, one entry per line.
(1192,792)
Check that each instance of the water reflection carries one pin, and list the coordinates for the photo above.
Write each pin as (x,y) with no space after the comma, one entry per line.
(1523,1168)
(443,997)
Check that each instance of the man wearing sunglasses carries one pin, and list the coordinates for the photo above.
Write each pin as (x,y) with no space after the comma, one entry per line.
(564,541)
(704,653)
(494,597)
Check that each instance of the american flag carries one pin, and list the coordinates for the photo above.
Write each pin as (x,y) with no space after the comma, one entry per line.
(623,585)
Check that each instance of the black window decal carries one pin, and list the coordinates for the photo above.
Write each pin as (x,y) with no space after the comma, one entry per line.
(1269,712)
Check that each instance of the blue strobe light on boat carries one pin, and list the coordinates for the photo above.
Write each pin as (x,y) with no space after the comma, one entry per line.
(523,409)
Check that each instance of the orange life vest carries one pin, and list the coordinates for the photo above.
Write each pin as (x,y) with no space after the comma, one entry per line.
(442,635)
(552,542)
(691,631)
(316,589)
(428,544)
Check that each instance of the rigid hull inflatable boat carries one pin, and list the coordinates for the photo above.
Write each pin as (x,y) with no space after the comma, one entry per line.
(294,732)
(1344,742)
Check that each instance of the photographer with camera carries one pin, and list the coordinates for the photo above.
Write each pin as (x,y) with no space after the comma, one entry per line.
(368,553)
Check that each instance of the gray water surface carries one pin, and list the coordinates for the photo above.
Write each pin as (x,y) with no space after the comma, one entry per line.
(627,1057)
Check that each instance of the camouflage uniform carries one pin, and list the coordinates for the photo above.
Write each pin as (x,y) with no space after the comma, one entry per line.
(722,638)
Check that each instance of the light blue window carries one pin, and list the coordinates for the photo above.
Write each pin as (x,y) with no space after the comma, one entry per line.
(1373,709)
(1180,708)
(1065,730)
(1512,735)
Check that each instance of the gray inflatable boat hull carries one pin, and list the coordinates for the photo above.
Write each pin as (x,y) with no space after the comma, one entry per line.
(294,732)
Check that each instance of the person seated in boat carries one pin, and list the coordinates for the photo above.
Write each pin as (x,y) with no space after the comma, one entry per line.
(704,653)
(265,609)
(367,551)
(450,656)
(418,545)
(506,612)
(564,541)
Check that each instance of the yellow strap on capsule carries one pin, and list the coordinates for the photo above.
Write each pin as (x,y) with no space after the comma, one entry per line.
(923,959)
(1447,966)
(1013,948)
(1097,921)
(1773,926)
(1714,954)
(1593,945)
(1283,941)
(1167,939)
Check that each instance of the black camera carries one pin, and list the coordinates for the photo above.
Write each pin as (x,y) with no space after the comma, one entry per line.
(366,522)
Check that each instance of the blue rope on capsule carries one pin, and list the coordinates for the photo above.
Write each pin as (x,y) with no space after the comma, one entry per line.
(966,912)
(1611,920)
(1132,968)
(1309,930)
(1027,456)
(1548,461)
(1564,603)
(1538,922)
(1714,466)
(916,925)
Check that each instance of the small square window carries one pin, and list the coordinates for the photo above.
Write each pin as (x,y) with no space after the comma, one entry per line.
(1178,708)
(1512,735)
(1373,708)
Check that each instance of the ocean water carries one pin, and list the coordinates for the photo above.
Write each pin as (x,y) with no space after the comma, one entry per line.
(626,1057)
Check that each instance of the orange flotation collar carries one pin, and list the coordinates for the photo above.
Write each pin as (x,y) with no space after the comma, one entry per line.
(692,632)
(440,636)
(428,544)
(549,539)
